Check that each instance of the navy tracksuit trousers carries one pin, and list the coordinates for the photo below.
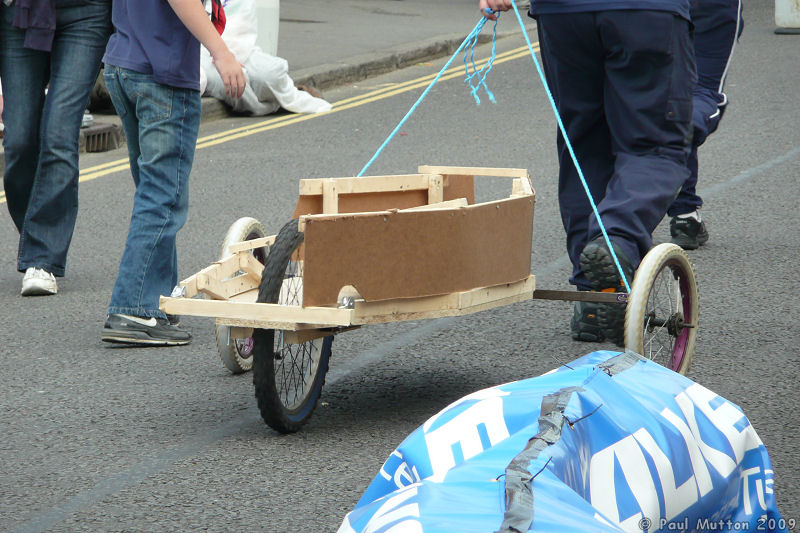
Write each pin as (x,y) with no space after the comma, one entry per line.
(717,26)
(622,81)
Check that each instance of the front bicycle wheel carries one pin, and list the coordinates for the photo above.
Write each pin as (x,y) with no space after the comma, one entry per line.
(288,377)
(236,354)
(662,313)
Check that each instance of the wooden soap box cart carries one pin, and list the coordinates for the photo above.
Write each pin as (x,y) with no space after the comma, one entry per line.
(367,250)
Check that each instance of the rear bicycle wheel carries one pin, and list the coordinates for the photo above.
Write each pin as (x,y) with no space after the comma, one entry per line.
(237,354)
(662,312)
(288,378)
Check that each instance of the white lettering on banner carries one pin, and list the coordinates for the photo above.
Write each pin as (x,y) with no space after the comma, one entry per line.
(721,461)
(602,489)
(769,481)
(632,461)
(383,473)
(393,510)
(676,499)
(759,485)
(701,475)
(403,476)
(462,430)
(483,394)
(724,419)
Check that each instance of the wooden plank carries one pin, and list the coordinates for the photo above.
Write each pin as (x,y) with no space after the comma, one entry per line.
(217,270)
(330,197)
(269,316)
(448,204)
(435,190)
(455,304)
(366,184)
(251,244)
(304,335)
(250,265)
(475,171)
(210,286)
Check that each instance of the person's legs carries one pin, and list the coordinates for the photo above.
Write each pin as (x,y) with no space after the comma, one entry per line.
(650,75)
(24,73)
(78,46)
(572,57)
(573,65)
(717,26)
(168,123)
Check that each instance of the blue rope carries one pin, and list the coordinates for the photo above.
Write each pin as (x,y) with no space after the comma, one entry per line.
(419,100)
(571,151)
(480,74)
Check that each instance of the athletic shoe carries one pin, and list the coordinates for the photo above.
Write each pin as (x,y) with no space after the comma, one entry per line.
(38,282)
(688,233)
(584,324)
(599,268)
(142,330)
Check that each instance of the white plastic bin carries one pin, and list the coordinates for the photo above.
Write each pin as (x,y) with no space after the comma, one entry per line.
(268,14)
(787,16)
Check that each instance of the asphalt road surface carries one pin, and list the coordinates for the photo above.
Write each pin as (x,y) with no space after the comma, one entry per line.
(94,438)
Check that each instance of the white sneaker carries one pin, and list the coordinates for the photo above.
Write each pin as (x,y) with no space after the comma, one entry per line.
(38,282)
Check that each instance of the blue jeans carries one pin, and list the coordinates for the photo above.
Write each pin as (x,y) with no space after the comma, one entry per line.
(161,124)
(42,131)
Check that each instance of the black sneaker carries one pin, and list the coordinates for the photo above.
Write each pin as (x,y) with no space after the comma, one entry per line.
(601,271)
(688,233)
(584,324)
(140,330)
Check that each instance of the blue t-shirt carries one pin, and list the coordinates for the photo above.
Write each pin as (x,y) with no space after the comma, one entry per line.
(150,38)
(548,7)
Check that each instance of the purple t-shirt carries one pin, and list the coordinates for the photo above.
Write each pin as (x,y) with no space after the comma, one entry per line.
(150,38)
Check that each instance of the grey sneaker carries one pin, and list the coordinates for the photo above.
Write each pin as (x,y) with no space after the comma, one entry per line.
(152,331)
(38,282)
(688,233)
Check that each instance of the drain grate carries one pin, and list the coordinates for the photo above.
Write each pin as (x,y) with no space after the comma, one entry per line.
(101,138)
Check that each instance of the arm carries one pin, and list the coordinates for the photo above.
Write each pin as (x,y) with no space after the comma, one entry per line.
(494,5)
(196,20)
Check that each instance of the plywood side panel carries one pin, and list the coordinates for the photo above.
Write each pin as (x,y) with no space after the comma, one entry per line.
(407,254)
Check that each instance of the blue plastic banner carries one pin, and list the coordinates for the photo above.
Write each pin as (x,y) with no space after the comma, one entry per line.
(611,442)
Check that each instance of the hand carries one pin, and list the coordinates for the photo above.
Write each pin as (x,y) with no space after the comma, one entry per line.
(230,70)
(494,6)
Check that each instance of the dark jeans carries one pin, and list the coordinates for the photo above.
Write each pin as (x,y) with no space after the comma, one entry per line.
(161,125)
(42,130)
(717,26)
(622,82)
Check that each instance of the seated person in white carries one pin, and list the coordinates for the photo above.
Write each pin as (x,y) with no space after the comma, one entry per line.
(269,86)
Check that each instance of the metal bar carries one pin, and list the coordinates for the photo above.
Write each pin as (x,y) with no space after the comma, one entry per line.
(582,296)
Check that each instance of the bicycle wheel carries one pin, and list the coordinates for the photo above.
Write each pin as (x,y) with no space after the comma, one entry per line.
(288,378)
(237,354)
(662,312)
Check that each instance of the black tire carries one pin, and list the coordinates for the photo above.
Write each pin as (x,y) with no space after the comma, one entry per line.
(288,378)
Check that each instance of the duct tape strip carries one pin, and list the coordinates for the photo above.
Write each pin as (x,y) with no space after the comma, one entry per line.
(620,363)
(518,516)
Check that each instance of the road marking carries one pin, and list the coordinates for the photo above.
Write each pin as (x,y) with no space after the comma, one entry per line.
(385,91)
